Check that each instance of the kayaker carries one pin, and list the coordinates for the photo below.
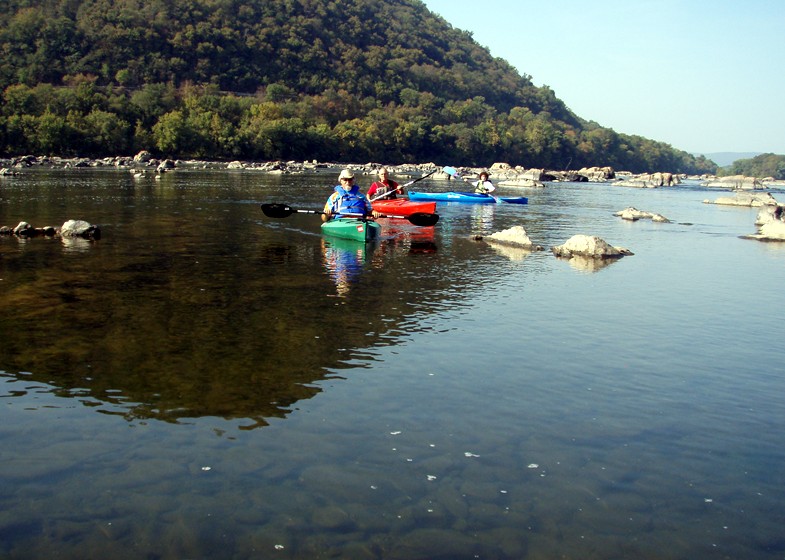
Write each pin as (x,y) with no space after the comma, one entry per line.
(384,188)
(483,186)
(348,200)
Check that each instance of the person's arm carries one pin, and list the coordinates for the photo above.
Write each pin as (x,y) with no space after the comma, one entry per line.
(328,208)
(369,211)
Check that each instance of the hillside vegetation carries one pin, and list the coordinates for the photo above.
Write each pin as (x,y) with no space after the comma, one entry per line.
(344,80)
(763,165)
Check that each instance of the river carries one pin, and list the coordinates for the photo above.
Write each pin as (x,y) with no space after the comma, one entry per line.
(207,382)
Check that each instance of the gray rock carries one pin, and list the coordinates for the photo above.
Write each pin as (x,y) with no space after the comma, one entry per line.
(589,246)
(734,182)
(515,236)
(79,228)
(634,214)
(22,228)
(745,199)
(771,224)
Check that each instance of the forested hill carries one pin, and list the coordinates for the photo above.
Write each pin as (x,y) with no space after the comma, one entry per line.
(350,80)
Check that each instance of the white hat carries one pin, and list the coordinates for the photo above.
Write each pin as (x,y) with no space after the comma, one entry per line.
(346,174)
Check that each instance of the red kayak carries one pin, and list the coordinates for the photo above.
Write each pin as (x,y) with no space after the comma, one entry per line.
(403,207)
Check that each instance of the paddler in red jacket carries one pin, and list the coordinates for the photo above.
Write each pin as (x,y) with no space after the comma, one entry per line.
(384,188)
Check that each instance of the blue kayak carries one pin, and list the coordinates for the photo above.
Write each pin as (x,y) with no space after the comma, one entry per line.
(513,199)
(471,197)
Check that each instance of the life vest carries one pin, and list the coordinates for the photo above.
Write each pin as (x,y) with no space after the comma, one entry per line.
(385,191)
(350,202)
(483,187)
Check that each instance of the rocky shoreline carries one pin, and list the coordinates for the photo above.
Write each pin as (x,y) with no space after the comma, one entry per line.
(502,174)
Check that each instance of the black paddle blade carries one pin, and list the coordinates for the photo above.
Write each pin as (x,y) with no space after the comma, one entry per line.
(277,210)
(423,219)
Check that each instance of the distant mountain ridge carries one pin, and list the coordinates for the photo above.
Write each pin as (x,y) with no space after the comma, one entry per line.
(724,159)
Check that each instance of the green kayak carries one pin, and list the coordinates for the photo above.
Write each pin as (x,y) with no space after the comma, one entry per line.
(352,228)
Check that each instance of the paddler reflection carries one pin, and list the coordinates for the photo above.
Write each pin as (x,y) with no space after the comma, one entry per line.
(344,260)
(482,218)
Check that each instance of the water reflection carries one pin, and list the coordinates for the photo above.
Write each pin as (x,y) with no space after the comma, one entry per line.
(511,251)
(588,264)
(501,426)
(344,260)
(193,304)
(483,219)
(76,244)
(419,239)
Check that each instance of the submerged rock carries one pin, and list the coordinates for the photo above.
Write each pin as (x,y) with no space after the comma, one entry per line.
(24,229)
(589,246)
(634,214)
(742,198)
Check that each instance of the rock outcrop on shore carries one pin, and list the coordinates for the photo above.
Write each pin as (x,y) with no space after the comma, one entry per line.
(502,174)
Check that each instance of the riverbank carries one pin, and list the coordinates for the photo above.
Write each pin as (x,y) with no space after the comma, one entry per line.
(501,173)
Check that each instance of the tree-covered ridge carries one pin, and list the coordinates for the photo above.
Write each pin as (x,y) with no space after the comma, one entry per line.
(763,165)
(369,48)
(337,79)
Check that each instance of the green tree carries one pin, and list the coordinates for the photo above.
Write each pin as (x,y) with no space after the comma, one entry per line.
(172,134)
(53,134)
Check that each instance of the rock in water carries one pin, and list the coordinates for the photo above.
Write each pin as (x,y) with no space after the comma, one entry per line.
(589,246)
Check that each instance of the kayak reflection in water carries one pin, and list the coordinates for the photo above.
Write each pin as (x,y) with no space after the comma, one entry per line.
(344,261)
(347,200)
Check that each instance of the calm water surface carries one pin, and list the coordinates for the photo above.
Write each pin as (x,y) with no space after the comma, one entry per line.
(205,382)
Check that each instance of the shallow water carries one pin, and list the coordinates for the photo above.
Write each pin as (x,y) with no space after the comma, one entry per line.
(205,382)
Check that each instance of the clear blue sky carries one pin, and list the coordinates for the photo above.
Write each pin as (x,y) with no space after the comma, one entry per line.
(702,76)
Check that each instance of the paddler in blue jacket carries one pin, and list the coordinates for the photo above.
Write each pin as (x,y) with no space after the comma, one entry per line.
(347,200)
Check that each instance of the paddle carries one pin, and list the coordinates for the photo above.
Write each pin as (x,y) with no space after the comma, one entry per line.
(399,187)
(278,210)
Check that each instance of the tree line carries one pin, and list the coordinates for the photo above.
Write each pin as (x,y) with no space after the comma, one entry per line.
(763,165)
(333,80)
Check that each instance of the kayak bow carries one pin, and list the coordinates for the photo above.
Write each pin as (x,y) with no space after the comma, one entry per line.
(403,207)
(357,229)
